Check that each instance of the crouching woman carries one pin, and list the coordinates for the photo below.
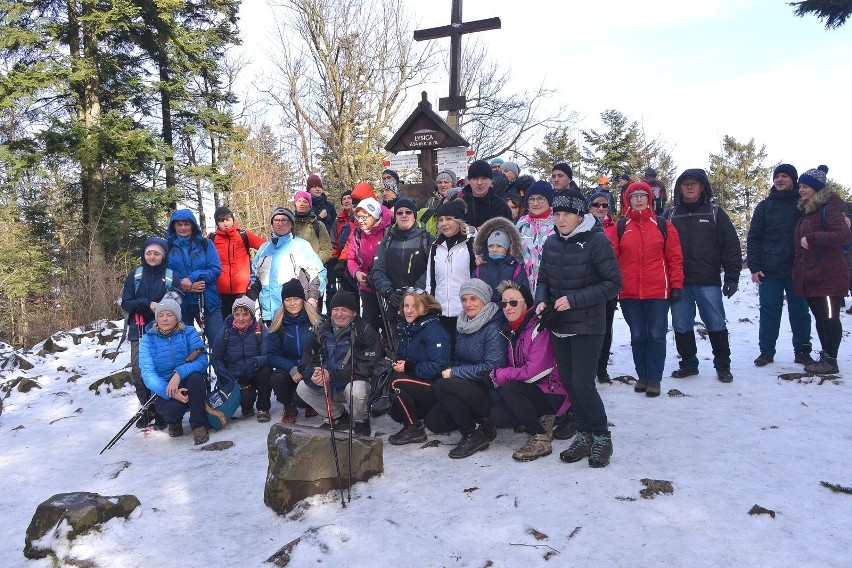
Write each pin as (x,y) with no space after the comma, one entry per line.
(530,389)
(423,352)
(173,361)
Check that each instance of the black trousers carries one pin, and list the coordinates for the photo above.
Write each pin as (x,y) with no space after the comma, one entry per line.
(577,361)
(826,311)
(257,388)
(603,360)
(523,404)
(461,405)
(370,309)
(449,325)
(414,399)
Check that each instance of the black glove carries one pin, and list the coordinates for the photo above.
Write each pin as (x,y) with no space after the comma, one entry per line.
(340,270)
(394,299)
(729,289)
(676,295)
(549,318)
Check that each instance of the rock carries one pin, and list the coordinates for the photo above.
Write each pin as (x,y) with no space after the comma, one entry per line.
(67,515)
(73,378)
(114,381)
(301,463)
(53,344)
(654,487)
(22,363)
(675,392)
(758,510)
(218,446)
(626,379)
(792,376)
(21,384)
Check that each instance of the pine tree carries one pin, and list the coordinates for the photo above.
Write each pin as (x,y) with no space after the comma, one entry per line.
(559,145)
(616,150)
(739,179)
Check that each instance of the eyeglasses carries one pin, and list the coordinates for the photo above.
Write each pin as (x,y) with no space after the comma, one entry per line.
(536,199)
(362,218)
(513,303)
(599,205)
(405,212)
(281,220)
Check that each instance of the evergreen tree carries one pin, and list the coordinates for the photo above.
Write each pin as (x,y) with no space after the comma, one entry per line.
(739,179)
(833,13)
(616,150)
(559,145)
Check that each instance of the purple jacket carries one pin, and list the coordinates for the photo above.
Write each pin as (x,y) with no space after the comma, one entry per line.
(530,359)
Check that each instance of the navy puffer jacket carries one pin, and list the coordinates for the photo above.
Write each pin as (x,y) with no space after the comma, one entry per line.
(477,354)
(152,288)
(425,346)
(244,353)
(287,345)
(582,267)
(768,245)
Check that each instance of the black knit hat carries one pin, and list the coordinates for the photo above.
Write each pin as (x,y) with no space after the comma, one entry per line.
(406,202)
(454,208)
(392,173)
(221,213)
(570,201)
(563,167)
(292,289)
(480,169)
(344,299)
(787,169)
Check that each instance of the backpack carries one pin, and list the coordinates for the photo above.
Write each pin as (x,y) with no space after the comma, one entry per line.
(222,402)
(848,246)
(243,235)
(661,225)
(137,279)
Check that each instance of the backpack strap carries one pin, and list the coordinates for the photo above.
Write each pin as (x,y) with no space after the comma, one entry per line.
(621,224)
(137,276)
(517,271)
(244,236)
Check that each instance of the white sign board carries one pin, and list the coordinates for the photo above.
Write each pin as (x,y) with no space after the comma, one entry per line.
(458,168)
(457,154)
(401,162)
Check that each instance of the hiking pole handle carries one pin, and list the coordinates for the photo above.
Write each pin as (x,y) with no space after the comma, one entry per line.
(130,422)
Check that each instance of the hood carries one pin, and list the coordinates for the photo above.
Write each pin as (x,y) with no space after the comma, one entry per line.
(819,199)
(589,224)
(182,215)
(308,217)
(480,243)
(151,241)
(701,176)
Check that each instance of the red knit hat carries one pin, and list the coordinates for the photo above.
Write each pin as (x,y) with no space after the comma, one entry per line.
(362,191)
(313,181)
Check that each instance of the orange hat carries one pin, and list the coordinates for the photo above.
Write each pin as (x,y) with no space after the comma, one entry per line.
(362,191)
(603,180)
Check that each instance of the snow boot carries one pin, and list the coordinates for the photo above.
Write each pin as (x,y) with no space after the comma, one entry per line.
(489,429)
(721,355)
(410,434)
(763,360)
(340,423)
(290,414)
(538,445)
(686,348)
(175,429)
(469,444)
(641,385)
(200,435)
(803,355)
(580,448)
(362,427)
(653,389)
(601,450)
(263,416)
(565,428)
(547,421)
(826,365)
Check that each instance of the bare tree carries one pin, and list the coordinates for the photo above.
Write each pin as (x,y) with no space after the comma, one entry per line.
(342,70)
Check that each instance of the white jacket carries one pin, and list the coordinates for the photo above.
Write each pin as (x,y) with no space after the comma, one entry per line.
(452,269)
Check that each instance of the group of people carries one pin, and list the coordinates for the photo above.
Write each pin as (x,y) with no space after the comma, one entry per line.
(495,314)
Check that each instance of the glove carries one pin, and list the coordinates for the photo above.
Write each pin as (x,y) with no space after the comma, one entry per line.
(676,295)
(340,270)
(394,299)
(549,319)
(729,289)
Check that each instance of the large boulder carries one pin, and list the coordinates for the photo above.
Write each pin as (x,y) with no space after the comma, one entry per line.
(67,515)
(301,463)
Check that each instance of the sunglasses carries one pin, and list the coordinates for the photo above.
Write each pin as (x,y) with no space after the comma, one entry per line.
(599,205)
(410,290)
(513,303)
(405,212)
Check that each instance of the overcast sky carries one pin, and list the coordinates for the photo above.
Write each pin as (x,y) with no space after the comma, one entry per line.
(688,71)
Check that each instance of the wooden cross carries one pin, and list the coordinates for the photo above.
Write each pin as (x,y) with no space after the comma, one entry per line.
(455,102)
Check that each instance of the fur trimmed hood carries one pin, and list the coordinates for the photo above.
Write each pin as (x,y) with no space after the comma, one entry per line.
(480,244)
(819,199)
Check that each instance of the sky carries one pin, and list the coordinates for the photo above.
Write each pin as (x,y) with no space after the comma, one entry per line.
(759,440)
(689,72)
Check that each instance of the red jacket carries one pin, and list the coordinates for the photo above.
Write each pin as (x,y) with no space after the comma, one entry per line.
(236,263)
(820,269)
(650,266)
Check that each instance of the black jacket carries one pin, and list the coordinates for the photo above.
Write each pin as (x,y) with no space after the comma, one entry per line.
(344,362)
(481,209)
(401,260)
(582,267)
(707,236)
(769,245)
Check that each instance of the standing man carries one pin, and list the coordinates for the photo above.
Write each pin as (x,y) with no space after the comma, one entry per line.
(320,203)
(660,198)
(623,206)
(482,203)
(390,188)
(562,178)
(709,242)
(769,257)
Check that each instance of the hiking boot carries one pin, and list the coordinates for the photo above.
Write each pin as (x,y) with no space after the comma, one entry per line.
(175,429)
(803,357)
(601,450)
(469,444)
(537,446)
(310,412)
(263,416)
(763,360)
(143,421)
(547,422)
(684,372)
(489,429)
(410,434)
(200,435)
(290,414)
(340,423)
(641,385)
(565,428)
(653,389)
(362,427)
(825,366)
(158,422)
(248,412)
(603,377)
(724,375)
(580,448)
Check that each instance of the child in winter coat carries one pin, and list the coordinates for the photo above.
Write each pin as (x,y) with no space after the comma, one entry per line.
(499,256)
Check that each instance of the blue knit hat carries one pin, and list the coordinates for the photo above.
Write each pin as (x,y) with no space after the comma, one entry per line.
(814,178)
(543,188)
(595,195)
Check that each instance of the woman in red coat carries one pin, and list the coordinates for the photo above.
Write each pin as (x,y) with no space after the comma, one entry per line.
(651,261)
(819,269)
(233,244)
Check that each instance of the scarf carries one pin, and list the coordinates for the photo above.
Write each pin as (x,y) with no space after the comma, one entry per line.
(544,215)
(468,325)
(516,325)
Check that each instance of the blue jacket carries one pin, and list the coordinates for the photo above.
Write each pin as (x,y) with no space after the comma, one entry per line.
(425,346)
(478,353)
(287,345)
(161,355)
(244,354)
(495,271)
(194,257)
(152,288)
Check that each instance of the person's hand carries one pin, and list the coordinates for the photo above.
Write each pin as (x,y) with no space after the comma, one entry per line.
(562,304)
(729,289)
(320,377)
(361,278)
(313,302)
(395,298)
(297,377)
(540,308)
(676,295)
(480,260)
(399,366)
(549,319)
(182,395)
(757,276)
(186,284)
(198,286)
(804,243)
(154,306)
(174,386)
(323,214)
(447,373)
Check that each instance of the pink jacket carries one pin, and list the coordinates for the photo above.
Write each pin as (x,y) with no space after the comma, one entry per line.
(363,247)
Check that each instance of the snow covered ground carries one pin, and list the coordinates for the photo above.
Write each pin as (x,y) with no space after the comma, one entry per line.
(760,440)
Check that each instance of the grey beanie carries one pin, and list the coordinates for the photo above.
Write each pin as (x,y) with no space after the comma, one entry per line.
(511,166)
(478,288)
(448,175)
(168,305)
(243,302)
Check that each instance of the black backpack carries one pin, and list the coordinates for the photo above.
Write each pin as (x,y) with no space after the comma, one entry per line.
(243,236)
(661,225)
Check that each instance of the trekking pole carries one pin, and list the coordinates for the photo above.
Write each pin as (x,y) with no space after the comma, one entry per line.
(331,428)
(351,408)
(127,426)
